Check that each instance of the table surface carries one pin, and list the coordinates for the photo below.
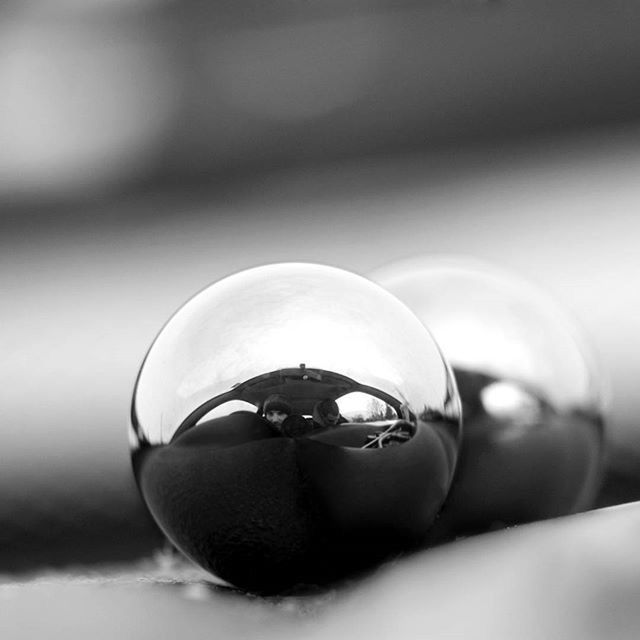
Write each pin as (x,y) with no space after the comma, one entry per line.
(576,577)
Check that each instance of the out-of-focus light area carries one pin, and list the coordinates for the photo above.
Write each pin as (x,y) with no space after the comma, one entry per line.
(150,148)
(104,94)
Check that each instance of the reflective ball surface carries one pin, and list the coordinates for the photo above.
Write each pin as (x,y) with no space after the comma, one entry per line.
(531,395)
(294,424)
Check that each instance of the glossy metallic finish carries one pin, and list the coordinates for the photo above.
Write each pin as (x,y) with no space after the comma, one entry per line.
(532,399)
(264,511)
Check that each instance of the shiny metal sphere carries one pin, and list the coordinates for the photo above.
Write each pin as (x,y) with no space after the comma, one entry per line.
(532,396)
(264,505)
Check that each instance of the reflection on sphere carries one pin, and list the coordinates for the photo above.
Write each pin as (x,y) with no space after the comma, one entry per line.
(532,401)
(309,496)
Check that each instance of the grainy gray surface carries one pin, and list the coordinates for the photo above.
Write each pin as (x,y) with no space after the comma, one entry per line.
(575,578)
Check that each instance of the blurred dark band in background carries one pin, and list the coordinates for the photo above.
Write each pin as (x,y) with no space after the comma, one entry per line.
(108,96)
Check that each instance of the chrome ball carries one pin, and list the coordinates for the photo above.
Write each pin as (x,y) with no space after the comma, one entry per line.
(531,393)
(358,468)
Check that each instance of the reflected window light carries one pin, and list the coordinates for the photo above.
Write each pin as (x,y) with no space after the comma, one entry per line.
(492,322)
(508,401)
(362,407)
(271,319)
(229,407)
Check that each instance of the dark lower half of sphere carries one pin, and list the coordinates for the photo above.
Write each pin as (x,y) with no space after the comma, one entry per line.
(522,466)
(272,512)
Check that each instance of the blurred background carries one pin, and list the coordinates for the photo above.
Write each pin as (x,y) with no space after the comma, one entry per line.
(150,147)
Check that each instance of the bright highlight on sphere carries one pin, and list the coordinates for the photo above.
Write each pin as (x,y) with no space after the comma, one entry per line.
(531,394)
(486,319)
(264,506)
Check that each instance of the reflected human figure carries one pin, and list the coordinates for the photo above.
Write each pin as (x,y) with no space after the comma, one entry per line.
(326,414)
(276,409)
(278,412)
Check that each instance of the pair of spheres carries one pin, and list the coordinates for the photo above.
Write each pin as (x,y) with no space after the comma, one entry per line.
(266,512)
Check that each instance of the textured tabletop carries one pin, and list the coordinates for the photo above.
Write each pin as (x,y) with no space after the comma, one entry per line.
(572,578)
